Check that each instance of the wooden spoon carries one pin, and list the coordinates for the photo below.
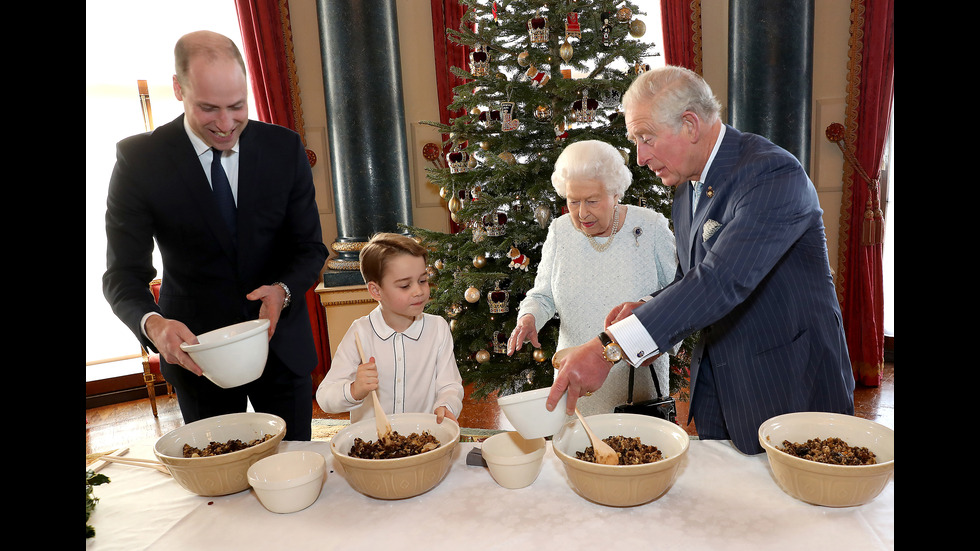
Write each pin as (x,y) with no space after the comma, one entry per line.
(384,427)
(148,463)
(604,453)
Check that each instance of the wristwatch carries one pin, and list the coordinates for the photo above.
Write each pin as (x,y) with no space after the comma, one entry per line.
(289,295)
(610,351)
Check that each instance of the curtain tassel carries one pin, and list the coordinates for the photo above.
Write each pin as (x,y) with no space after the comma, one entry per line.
(873,225)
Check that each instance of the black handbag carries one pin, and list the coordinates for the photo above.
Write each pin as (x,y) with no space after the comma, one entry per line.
(661,406)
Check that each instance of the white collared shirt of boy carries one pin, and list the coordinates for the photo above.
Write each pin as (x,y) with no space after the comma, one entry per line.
(417,370)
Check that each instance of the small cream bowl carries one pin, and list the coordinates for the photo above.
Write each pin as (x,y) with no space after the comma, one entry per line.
(234,355)
(289,481)
(514,461)
(526,411)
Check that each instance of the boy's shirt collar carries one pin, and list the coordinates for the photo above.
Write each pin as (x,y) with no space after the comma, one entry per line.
(384,332)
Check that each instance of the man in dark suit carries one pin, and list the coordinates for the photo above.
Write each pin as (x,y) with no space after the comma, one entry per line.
(217,272)
(753,273)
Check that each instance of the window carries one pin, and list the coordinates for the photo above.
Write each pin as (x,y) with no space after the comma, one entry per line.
(128,41)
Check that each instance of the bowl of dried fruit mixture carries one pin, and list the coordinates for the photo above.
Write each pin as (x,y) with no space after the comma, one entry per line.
(650,453)
(829,459)
(414,458)
(211,457)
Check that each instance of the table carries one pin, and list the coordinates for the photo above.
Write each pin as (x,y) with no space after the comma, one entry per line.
(722,499)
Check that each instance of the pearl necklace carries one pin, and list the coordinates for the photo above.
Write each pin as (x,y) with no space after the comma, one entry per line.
(604,246)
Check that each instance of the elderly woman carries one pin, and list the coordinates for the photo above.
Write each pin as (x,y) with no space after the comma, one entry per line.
(599,255)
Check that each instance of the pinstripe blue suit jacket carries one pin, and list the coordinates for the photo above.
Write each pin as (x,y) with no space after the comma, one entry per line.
(760,288)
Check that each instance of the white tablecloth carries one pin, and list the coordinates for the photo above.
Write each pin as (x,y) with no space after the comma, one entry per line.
(722,499)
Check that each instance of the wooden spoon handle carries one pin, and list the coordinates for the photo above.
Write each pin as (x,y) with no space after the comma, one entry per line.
(384,427)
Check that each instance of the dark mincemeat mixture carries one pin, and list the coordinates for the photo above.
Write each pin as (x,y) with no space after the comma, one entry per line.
(833,451)
(394,446)
(630,450)
(218,448)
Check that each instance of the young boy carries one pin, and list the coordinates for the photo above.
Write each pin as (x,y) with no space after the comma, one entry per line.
(410,353)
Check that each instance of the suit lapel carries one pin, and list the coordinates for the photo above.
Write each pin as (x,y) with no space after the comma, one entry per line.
(718,177)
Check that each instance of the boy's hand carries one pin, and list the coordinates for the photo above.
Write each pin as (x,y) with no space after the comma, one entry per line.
(443,411)
(365,381)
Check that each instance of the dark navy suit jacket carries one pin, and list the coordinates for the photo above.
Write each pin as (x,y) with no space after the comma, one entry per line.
(159,190)
(754,275)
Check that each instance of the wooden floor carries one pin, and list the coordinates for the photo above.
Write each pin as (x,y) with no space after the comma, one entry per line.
(110,427)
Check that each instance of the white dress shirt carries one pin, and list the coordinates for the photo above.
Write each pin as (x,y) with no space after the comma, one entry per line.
(417,370)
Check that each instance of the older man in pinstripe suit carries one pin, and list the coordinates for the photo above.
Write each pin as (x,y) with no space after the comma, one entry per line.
(753,273)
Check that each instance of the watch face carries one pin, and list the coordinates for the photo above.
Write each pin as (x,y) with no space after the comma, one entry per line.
(613,353)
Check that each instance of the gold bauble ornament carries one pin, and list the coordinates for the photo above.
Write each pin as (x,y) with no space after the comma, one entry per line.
(439,264)
(539,355)
(637,28)
(624,14)
(485,146)
(454,205)
(443,192)
(452,325)
(479,261)
(472,294)
(482,356)
(524,59)
(566,51)
(507,157)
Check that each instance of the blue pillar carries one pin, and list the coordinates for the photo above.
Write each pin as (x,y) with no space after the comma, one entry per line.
(770,71)
(365,127)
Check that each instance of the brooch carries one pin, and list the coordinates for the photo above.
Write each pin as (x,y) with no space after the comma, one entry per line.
(637,232)
(710,193)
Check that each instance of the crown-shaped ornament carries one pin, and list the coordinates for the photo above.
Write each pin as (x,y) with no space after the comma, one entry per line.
(583,110)
(499,300)
(500,342)
(495,224)
(479,61)
(537,28)
(457,160)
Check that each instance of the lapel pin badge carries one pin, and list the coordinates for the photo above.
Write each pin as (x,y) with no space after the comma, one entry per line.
(710,192)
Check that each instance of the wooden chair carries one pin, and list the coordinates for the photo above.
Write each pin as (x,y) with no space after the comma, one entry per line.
(151,362)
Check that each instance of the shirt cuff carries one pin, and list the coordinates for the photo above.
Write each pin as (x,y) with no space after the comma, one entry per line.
(633,338)
(145,317)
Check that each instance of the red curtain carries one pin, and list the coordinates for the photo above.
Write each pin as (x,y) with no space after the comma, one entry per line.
(447,14)
(267,39)
(871,69)
(681,22)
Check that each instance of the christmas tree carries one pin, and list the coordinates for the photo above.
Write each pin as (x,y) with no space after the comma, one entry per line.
(521,108)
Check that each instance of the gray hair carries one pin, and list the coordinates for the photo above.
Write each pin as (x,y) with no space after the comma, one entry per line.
(592,159)
(674,91)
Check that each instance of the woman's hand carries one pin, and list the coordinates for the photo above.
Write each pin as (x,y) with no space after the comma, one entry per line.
(365,381)
(524,332)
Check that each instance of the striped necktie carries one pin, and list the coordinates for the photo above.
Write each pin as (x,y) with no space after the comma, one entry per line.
(696,197)
(222,192)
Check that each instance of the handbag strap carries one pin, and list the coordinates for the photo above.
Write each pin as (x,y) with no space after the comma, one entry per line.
(656,384)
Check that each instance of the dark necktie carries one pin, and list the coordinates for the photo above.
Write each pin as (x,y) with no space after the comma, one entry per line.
(222,191)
